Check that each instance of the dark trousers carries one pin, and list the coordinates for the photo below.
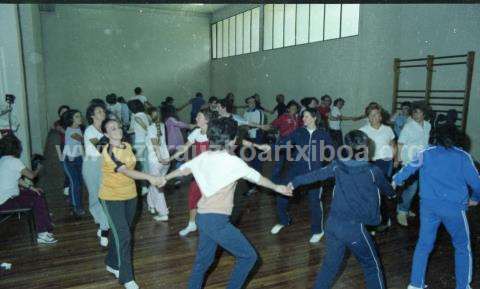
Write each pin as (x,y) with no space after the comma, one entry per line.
(342,235)
(387,168)
(314,204)
(256,163)
(73,169)
(30,199)
(120,215)
(216,230)
(279,163)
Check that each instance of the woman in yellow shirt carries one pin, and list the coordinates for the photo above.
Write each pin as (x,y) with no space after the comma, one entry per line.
(118,196)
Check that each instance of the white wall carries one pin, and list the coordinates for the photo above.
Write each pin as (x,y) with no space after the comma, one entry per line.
(11,71)
(357,68)
(92,50)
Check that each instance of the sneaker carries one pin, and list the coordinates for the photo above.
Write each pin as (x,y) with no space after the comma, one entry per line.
(66,191)
(46,238)
(192,227)
(402,218)
(131,285)
(152,210)
(276,229)
(113,271)
(316,238)
(161,218)
(411,214)
(103,236)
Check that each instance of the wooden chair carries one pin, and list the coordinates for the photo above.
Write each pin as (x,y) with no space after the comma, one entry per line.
(28,212)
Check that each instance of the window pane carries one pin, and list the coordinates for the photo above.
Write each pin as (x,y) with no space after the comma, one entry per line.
(332,21)
(247,17)
(289,33)
(302,23)
(225,38)
(267,26)
(239,34)
(231,36)
(278,25)
(350,16)
(214,41)
(316,22)
(255,29)
(219,39)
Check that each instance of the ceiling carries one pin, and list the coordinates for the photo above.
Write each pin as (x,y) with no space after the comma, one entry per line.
(196,8)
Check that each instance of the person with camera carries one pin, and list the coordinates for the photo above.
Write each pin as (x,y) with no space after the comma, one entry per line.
(16,194)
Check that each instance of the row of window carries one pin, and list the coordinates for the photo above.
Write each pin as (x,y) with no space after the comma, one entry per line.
(283,25)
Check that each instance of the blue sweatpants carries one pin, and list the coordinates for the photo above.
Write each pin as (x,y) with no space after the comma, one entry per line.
(341,235)
(73,168)
(314,204)
(214,230)
(452,216)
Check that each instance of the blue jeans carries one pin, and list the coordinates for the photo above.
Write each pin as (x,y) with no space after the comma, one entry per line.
(407,197)
(314,204)
(73,169)
(214,230)
(341,235)
(385,166)
(455,221)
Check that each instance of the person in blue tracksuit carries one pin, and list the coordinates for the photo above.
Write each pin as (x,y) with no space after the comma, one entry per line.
(445,174)
(310,144)
(355,203)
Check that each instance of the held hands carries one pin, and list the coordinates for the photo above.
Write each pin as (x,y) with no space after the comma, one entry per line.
(394,185)
(157,181)
(472,203)
(284,190)
(266,127)
(290,187)
(264,147)
(165,161)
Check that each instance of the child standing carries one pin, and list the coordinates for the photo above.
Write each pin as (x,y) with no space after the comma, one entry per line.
(217,173)
(446,173)
(157,156)
(72,154)
(355,203)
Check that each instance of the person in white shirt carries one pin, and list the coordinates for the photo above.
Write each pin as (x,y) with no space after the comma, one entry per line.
(92,168)
(138,95)
(15,194)
(157,153)
(335,119)
(384,156)
(140,122)
(217,172)
(413,138)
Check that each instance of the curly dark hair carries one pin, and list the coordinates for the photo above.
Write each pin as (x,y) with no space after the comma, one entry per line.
(136,106)
(67,117)
(10,145)
(91,111)
(220,132)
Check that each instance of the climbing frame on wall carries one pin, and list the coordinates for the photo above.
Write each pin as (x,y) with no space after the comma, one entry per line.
(441,100)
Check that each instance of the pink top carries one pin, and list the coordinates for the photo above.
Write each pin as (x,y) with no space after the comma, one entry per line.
(174,133)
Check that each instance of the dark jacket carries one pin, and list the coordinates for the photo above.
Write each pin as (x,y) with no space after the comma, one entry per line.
(307,152)
(356,195)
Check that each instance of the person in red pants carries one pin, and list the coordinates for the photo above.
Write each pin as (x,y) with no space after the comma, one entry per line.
(14,195)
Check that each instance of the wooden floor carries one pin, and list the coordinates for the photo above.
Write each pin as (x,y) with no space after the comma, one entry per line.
(162,259)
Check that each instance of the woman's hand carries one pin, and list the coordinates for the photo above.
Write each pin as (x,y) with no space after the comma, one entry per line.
(472,203)
(165,161)
(284,190)
(37,190)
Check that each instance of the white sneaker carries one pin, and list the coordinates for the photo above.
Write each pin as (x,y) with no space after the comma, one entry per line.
(152,210)
(113,271)
(103,239)
(66,191)
(46,238)
(131,285)
(316,238)
(277,228)
(192,227)
(161,218)
(402,218)
(411,214)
